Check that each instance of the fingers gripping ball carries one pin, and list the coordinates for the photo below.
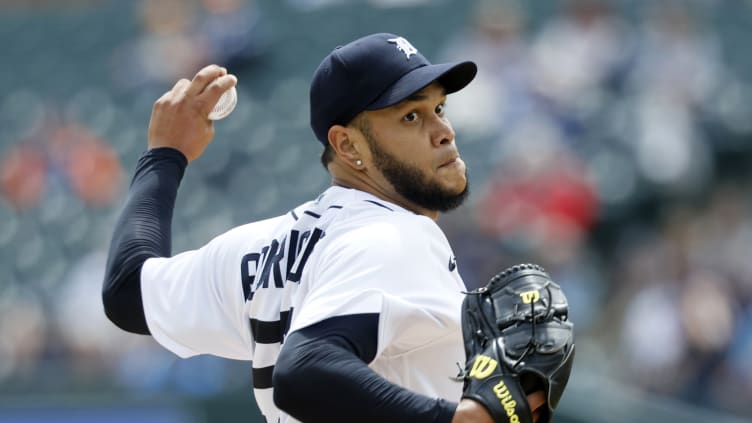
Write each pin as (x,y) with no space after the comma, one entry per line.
(518,339)
(225,105)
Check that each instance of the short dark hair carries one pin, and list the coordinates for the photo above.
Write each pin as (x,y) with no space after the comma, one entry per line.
(327,155)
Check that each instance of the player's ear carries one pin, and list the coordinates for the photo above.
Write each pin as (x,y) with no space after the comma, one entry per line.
(343,141)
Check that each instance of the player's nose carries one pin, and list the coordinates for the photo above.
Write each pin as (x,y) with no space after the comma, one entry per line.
(442,133)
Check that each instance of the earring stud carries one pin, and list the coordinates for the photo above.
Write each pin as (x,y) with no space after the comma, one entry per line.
(358,162)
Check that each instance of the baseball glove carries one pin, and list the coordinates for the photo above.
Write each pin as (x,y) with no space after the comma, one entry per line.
(518,339)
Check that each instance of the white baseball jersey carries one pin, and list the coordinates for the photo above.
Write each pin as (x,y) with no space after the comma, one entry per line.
(347,252)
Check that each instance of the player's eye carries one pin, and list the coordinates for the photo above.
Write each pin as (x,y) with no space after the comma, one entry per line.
(410,117)
(440,109)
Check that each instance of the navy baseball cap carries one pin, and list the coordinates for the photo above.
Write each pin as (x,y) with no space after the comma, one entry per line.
(374,72)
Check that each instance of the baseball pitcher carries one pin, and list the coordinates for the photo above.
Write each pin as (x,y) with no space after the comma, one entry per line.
(350,306)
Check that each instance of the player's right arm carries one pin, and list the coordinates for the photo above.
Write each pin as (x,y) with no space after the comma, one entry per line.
(179,131)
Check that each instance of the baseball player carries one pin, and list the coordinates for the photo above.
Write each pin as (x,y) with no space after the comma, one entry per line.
(348,306)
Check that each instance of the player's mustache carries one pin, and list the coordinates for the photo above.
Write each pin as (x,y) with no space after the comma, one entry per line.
(449,157)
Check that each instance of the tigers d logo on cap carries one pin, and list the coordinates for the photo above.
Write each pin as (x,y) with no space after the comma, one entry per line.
(404,46)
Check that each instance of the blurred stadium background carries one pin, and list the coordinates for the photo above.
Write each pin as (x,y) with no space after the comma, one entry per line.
(610,142)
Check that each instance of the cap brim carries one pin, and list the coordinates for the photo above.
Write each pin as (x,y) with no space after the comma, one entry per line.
(453,76)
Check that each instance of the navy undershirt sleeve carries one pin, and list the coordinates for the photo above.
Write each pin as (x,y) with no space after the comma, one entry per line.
(322,375)
(143,231)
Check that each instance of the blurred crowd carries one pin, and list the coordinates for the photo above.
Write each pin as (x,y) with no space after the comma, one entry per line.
(606,141)
(609,146)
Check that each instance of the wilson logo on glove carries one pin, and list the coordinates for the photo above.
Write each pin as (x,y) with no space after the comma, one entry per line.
(483,367)
(518,340)
(502,393)
(530,296)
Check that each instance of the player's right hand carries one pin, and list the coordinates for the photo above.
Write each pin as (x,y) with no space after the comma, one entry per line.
(179,119)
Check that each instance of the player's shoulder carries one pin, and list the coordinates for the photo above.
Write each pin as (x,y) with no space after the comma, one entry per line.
(366,209)
(366,220)
(244,236)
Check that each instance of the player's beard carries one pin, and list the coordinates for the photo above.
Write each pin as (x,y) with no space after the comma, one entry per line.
(410,182)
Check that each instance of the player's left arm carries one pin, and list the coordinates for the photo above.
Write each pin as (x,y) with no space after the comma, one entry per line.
(328,361)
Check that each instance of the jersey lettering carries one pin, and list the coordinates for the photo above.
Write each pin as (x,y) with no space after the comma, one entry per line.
(271,264)
(248,266)
(268,260)
(295,275)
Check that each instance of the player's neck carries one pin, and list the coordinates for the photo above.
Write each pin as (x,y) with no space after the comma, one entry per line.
(363,182)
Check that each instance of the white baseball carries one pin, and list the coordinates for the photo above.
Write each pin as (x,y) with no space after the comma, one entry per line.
(225,105)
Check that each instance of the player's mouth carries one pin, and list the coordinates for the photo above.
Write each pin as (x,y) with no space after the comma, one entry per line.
(453,161)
